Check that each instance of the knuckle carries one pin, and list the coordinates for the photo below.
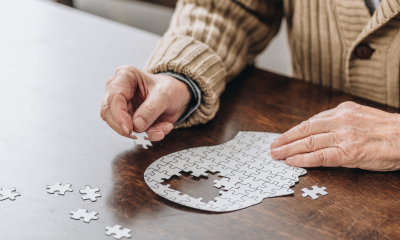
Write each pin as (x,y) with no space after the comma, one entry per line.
(309,142)
(299,159)
(348,116)
(348,105)
(284,139)
(320,156)
(286,149)
(341,153)
(334,137)
(127,70)
(103,113)
(151,111)
(304,127)
(109,81)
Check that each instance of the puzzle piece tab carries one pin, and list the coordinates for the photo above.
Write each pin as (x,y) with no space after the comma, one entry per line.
(8,193)
(85,214)
(90,193)
(141,139)
(313,193)
(57,187)
(118,232)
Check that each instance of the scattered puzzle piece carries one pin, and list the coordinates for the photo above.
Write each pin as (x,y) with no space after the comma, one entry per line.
(249,172)
(57,187)
(90,193)
(141,139)
(118,232)
(8,193)
(313,193)
(85,214)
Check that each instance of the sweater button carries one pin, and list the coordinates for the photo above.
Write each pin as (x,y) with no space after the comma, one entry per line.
(364,51)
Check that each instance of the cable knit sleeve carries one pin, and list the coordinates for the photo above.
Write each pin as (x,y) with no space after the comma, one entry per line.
(211,41)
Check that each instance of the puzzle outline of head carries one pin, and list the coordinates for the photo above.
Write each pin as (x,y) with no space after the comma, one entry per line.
(248,170)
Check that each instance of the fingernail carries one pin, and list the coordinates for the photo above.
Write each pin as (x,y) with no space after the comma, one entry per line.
(125,129)
(139,123)
(158,136)
(275,152)
(289,160)
(168,128)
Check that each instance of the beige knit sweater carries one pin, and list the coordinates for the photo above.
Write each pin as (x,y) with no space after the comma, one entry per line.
(211,41)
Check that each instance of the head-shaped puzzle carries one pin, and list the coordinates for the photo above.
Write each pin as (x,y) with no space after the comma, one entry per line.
(249,172)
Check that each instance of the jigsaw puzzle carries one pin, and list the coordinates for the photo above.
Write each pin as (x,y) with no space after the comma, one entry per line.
(313,193)
(8,193)
(118,232)
(90,193)
(57,187)
(141,139)
(85,214)
(248,170)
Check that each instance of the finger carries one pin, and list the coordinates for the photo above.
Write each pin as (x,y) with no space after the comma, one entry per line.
(305,145)
(148,111)
(109,119)
(119,110)
(158,131)
(305,129)
(327,157)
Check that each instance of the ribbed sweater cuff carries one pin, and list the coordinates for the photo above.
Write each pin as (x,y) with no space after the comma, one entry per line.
(185,55)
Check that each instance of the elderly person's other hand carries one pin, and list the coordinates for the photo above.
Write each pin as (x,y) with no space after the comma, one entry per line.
(140,101)
(349,135)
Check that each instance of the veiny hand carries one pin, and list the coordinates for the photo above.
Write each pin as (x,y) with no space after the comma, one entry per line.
(350,135)
(140,101)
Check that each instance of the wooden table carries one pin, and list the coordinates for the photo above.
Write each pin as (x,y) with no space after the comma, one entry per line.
(54,63)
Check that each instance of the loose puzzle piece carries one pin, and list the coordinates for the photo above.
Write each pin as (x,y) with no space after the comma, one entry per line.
(249,172)
(8,193)
(313,193)
(85,214)
(141,139)
(91,193)
(118,232)
(57,187)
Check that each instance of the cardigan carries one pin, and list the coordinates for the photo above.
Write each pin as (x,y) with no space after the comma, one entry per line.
(212,41)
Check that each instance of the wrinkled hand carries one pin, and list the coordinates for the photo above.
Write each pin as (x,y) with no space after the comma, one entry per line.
(140,101)
(350,135)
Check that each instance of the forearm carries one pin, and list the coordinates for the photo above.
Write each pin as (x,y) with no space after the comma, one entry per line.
(211,42)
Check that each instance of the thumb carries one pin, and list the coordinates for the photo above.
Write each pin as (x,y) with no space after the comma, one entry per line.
(148,112)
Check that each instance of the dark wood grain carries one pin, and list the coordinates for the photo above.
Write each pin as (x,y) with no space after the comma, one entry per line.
(360,204)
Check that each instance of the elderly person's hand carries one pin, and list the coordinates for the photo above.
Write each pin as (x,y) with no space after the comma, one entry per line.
(349,135)
(140,101)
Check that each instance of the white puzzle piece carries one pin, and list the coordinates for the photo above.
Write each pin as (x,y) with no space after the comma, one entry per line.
(57,187)
(118,232)
(141,139)
(85,214)
(313,193)
(8,193)
(245,163)
(90,193)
